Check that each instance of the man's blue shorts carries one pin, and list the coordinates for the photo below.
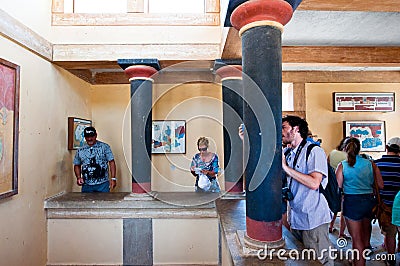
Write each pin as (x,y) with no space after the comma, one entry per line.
(103,187)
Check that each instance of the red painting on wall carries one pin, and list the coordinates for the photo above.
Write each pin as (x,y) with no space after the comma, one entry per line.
(9,112)
(363,102)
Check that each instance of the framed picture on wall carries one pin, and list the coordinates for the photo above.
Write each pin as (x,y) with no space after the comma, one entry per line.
(75,132)
(9,128)
(363,102)
(372,134)
(168,136)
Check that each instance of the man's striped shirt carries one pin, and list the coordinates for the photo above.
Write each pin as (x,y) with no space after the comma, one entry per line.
(389,165)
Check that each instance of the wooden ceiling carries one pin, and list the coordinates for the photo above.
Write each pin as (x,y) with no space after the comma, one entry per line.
(350,5)
(300,63)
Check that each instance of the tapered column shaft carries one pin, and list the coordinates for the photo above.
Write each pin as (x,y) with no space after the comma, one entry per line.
(260,23)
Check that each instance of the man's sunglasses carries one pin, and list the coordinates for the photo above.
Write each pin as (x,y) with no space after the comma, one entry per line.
(203,149)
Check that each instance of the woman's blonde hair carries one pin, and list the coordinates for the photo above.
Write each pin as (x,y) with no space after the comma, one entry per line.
(202,141)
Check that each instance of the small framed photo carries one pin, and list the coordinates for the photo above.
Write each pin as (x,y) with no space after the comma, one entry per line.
(372,134)
(75,132)
(168,136)
(363,102)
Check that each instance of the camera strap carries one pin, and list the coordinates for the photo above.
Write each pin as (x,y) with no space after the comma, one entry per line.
(296,157)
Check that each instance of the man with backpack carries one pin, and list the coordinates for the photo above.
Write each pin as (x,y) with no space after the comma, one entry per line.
(309,211)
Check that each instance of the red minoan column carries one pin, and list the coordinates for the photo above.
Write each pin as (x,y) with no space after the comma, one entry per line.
(141,106)
(260,24)
(232,92)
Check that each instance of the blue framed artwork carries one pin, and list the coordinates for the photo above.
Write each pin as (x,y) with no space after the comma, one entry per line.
(75,132)
(168,136)
(372,134)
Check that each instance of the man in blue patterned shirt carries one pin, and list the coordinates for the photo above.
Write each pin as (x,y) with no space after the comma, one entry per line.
(91,164)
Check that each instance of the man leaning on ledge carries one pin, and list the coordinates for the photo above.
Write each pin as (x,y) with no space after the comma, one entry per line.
(91,164)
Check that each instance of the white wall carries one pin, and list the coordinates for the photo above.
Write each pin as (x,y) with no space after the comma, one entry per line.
(37,15)
(100,241)
(48,95)
(109,104)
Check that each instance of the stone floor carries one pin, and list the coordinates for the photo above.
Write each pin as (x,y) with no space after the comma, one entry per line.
(376,243)
(232,218)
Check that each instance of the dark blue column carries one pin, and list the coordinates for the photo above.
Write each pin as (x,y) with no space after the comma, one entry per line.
(232,93)
(260,24)
(141,118)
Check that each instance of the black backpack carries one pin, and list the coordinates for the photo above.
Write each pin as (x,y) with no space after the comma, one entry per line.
(332,191)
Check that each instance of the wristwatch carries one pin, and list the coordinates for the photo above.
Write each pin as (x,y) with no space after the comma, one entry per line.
(114,179)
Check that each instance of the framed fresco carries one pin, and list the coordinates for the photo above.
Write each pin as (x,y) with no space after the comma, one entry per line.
(372,134)
(363,102)
(168,136)
(75,132)
(9,128)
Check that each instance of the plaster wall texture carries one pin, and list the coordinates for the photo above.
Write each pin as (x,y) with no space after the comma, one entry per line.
(48,95)
(328,124)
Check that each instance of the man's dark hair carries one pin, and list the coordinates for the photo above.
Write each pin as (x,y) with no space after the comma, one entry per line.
(297,121)
(340,147)
(393,148)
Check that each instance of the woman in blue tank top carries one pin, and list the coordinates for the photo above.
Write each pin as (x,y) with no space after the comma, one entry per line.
(356,176)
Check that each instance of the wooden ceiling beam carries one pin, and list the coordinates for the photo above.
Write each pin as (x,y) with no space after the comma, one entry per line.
(341,76)
(340,54)
(351,5)
(320,54)
(356,56)
(70,65)
(101,78)
(110,52)
(114,65)
(17,32)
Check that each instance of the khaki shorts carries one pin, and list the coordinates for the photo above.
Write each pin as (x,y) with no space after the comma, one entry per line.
(316,239)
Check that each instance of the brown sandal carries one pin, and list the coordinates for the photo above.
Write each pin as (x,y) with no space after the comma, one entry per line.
(345,236)
(332,230)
